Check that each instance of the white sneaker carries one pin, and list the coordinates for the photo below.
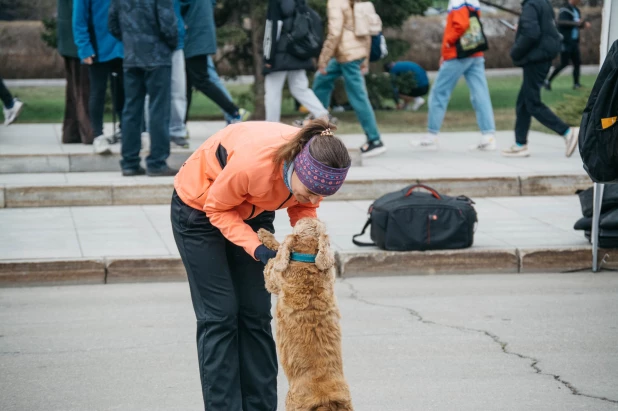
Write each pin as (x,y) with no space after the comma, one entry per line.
(571,140)
(418,102)
(101,145)
(486,144)
(11,114)
(516,151)
(429,142)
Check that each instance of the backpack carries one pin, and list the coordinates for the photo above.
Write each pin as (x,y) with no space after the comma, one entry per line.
(409,220)
(305,39)
(598,133)
(366,20)
(379,50)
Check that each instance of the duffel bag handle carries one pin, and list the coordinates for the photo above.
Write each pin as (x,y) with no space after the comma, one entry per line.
(360,243)
(431,190)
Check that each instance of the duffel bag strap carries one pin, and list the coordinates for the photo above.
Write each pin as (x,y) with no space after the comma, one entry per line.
(431,190)
(360,243)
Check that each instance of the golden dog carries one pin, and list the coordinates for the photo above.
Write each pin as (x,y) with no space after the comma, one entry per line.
(308,332)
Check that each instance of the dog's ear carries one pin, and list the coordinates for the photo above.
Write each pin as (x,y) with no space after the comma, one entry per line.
(325,258)
(282,260)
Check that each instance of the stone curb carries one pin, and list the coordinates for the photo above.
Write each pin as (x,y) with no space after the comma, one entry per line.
(119,193)
(362,263)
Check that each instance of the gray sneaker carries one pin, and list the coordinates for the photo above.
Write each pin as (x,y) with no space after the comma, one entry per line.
(11,114)
(571,141)
(516,151)
(101,145)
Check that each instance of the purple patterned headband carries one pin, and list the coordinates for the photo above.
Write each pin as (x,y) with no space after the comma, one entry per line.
(317,177)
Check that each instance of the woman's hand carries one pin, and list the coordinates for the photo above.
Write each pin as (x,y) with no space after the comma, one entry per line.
(264,253)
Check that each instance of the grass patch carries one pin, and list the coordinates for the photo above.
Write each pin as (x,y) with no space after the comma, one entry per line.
(46,105)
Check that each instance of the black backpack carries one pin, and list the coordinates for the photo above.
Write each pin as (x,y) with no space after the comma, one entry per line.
(306,36)
(598,135)
(409,220)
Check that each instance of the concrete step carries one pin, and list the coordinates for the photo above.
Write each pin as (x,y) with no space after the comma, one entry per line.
(364,183)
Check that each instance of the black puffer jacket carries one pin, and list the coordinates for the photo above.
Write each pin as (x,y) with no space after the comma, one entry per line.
(537,37)
(279,22)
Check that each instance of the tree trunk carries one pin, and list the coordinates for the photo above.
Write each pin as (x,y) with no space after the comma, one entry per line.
(257,34)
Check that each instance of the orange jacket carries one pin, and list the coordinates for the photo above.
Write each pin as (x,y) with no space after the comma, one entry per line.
(249,184)
(457,22)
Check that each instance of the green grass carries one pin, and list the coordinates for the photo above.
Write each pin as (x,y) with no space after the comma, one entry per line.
(46,105)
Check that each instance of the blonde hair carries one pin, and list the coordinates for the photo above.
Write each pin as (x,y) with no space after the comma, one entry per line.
(326,148)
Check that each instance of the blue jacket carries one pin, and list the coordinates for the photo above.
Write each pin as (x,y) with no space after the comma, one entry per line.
(420,76)
(181,26)
(201,35)
(90,31)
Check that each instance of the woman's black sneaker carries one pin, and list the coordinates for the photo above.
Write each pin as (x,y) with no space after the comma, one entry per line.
(372,149)
(163,172)
(132,172)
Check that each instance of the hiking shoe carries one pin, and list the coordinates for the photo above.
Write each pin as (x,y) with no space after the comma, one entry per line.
(131,172)
(11,114)
(486,144)
(516,151)
(429,141)
(547,85)
(576,86)
(180,141)
(418,102)
(162,172)
(372,149)
(101,145)
(571,141)
(243,115)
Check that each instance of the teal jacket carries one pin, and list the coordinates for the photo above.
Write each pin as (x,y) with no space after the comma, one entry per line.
(64,27)
(90,31)
(201,34)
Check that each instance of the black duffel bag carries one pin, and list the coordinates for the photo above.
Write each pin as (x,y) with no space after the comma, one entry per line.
(409,220)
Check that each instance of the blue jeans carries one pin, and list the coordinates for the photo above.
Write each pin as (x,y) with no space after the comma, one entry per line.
(473,69)
(356,89)
(216,80)
(138,82)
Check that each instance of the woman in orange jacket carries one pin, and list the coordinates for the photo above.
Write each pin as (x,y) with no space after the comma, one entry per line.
(227,190)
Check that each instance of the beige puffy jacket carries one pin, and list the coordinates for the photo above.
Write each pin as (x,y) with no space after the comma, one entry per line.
(341,41)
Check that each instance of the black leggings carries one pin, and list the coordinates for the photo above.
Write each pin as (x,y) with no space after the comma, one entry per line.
(5,95)
(235,346)
(572,55)
(197,76)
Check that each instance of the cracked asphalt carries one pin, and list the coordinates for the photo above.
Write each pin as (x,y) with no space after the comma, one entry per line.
(472,342)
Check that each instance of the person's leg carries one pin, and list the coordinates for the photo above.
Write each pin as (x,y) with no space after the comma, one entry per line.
(202,249)
(5,95)
(522,116)
(189,93)
(135,90)
(564,62)
(256,346)
(178,103)
(117,88)
(323,84)
(70,129)
(216,80)
(82,96)
(197,69)
(158,88)
(446,80)
(536,73)
(273,88)
(479,95)
(98,73)
(356,89)
(577,61)
(299,87)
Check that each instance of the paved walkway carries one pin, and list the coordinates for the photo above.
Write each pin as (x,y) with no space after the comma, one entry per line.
(465,343)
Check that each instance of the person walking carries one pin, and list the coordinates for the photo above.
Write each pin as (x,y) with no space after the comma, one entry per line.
(569,25)
(537,42)
(225,192)
(280,65)
(12,106)
(345,54)
(179,106)
(103,54)
(404,94)
(76,126)
(200,42)
(149,32)
(452,68)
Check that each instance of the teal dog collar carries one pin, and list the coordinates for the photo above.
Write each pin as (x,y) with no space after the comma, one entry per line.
(303,258)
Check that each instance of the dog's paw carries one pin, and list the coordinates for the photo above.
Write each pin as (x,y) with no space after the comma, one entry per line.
(268,239)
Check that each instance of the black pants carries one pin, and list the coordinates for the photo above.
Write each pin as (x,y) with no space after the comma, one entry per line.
(5,95)
(574,56)
(416,91)
(76,126)
(529,104)
(197,76)
(99,74)
(236,351)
